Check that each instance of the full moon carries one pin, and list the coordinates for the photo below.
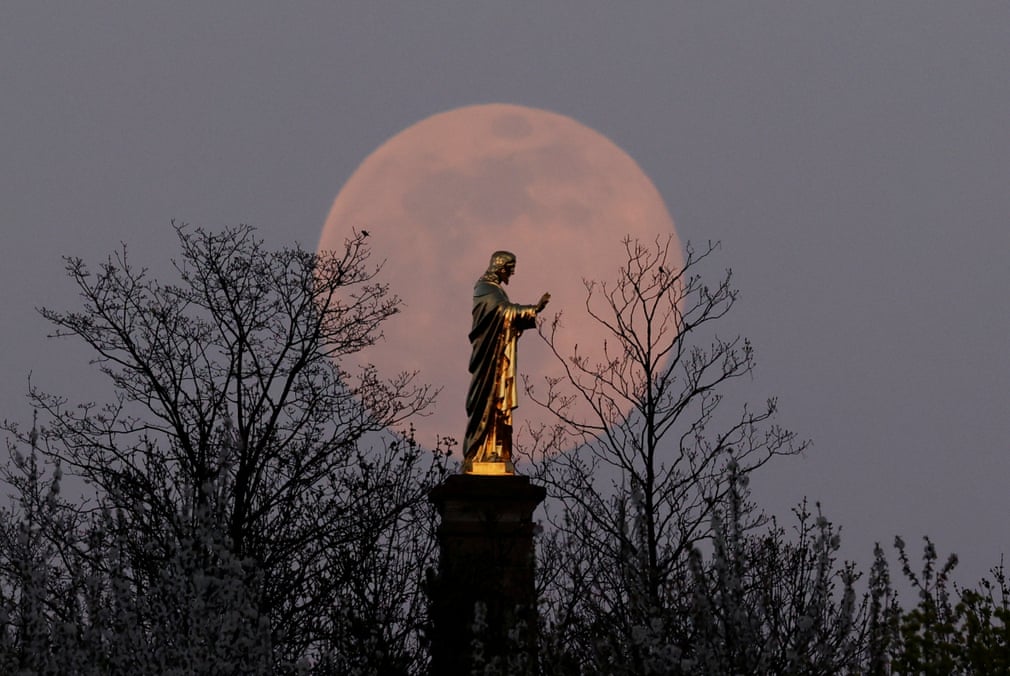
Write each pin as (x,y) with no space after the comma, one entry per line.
(438,198)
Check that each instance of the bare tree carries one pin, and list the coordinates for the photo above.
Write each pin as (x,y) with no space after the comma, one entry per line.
(237,411)
(640,463)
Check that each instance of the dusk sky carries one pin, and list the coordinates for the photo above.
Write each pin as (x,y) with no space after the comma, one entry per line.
(852,157)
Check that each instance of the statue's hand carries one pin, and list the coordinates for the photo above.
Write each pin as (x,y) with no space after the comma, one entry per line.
(543,301)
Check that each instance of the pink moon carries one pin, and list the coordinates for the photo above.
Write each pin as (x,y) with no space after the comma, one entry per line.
(438,198)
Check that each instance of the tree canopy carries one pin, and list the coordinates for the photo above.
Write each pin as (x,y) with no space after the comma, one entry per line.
(246,498)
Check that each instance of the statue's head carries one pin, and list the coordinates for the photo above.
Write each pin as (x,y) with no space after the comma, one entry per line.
(501,267)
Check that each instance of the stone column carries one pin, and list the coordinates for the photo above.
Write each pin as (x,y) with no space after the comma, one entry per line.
(483,600)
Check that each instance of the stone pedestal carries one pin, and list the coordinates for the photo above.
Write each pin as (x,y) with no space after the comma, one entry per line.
(483,599)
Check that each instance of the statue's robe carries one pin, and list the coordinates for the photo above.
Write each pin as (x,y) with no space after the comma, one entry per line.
(497,324)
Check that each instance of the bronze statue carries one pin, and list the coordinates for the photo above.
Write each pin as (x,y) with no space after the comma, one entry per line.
(497,325)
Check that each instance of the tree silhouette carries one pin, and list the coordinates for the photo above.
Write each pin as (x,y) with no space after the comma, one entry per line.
(247,508)
(651,559)
(242,448)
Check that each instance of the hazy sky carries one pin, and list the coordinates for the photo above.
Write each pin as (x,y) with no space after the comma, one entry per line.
(852,157)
